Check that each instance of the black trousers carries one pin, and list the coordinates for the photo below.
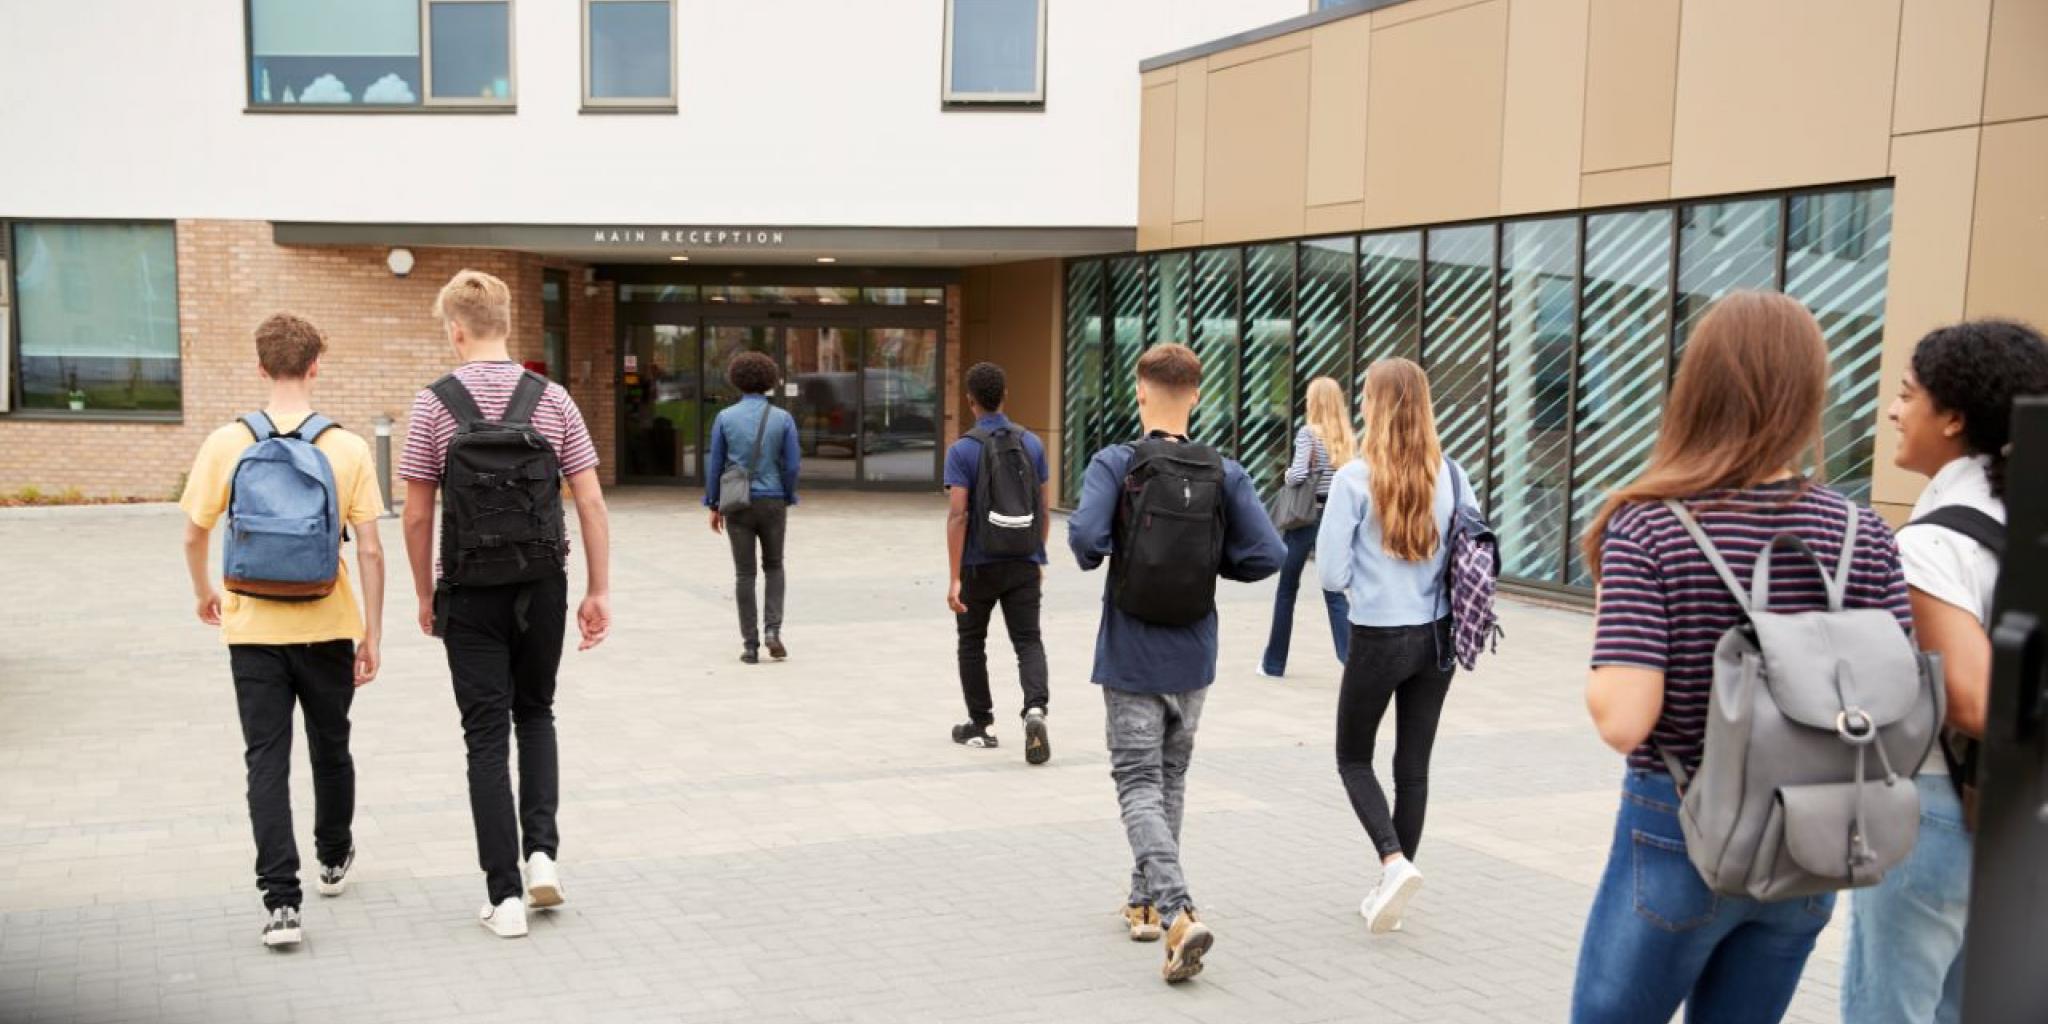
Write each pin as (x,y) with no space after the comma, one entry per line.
(1016,586)
(504,644)
(1395,664)
(269,680)
(763,523)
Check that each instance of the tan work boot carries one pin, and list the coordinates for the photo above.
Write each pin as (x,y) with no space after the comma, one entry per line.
(1144,921)
(1186,943)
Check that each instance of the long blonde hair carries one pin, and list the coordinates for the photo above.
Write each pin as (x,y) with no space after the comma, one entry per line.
(1330,421)
(1745,407)
(1403,457)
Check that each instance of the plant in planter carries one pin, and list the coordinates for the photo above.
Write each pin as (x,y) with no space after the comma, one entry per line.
(76,399)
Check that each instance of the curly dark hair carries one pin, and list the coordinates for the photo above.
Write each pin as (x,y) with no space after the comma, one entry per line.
(987,386)
(1975,369)
(752,372)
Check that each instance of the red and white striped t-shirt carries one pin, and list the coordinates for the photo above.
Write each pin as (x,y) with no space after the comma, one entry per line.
(427,434)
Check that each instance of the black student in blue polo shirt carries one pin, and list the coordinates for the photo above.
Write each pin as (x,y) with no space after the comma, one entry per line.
(981,581)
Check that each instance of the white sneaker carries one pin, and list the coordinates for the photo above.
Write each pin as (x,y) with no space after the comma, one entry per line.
(1382,908)
(507,920)
(543,882)
(1263,674)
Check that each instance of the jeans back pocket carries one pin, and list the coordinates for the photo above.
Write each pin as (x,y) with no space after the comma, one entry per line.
(1668,890)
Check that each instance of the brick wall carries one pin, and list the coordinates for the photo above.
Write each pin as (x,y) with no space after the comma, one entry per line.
(383,345)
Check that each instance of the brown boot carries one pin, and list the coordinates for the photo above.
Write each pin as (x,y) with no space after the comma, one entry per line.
(1144,921)
(1186,943)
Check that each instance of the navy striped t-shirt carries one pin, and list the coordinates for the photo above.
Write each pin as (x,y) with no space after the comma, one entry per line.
(1662,606)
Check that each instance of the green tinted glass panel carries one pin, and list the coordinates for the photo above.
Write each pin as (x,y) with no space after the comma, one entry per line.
(1323,316)
(1083,374)
(1389,301)
(1532,396)
(1837,250)
(1172,290)
(1723,247)
(1457,343)
(1213,318)
(1127,308)
(1626,327)
(1265,429)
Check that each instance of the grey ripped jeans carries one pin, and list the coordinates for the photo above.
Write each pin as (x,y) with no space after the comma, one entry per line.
(1151,740)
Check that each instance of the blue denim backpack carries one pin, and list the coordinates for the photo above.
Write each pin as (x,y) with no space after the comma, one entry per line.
(284,521)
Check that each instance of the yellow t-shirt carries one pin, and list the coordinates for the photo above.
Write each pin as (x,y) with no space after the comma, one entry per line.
(255,620)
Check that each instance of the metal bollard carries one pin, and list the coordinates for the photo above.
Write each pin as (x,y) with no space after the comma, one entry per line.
(384,425)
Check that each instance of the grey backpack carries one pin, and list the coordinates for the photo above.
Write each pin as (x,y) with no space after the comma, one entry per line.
(1816,723)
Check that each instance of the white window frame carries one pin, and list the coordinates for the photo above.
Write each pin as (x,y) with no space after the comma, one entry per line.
(655,104)
(426,95)
(951,99)
(427,98)
(6,328)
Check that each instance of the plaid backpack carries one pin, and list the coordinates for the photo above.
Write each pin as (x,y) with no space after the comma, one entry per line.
(1470,573)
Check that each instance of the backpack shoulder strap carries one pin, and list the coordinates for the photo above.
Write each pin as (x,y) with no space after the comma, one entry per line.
(526,396)
(1848,559)
(314,426)
(259,425)
(1706,546)
(455,398)
(1972,523)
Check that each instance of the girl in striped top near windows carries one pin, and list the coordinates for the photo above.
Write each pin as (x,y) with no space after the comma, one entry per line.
(1321,447)
(1744,418)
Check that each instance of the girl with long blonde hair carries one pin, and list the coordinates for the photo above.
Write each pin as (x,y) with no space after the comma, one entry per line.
(1381,541)
(1735,443)
(1321,447)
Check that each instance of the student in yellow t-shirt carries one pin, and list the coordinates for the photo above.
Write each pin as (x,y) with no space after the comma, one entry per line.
(311,653)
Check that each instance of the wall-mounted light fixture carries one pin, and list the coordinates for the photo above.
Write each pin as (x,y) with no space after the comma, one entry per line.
(400,262)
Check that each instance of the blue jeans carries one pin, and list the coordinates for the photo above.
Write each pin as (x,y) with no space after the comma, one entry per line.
(1657,936)
(1300,542)
(1906,933)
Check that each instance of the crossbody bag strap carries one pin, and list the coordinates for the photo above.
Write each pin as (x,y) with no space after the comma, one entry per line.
(1706,546)
(761,431)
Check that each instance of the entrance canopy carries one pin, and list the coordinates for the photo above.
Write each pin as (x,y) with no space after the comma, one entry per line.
(732,244)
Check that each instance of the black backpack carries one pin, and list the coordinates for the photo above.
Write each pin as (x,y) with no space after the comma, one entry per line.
(501,506)
(1169,538)
(1007,496)
(1958,750)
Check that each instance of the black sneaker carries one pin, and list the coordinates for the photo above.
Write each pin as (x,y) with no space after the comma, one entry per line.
(775,648)
(282,927)
(334,877)
(973,734)
(1037,745)
(751,656)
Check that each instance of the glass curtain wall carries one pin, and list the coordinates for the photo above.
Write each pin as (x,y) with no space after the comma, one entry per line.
(1550,342)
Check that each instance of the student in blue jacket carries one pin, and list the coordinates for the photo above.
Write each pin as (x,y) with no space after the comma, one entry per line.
(1154,677)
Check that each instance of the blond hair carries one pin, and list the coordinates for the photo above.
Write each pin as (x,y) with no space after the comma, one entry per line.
(479,302)
(1330,421)
(1403,456)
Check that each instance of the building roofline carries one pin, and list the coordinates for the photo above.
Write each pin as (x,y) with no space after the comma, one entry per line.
(1265,32)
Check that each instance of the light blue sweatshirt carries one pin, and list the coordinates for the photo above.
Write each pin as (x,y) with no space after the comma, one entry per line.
(1383,590)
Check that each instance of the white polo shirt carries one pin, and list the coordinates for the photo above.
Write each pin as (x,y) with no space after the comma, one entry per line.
(1944,564)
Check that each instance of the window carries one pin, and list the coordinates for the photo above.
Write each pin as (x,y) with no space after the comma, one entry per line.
(6,329)
(554,325)
(98,310)
(369,54)
(995,52)
(629,54)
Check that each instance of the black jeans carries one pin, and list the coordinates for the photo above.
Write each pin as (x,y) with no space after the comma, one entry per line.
(1399,664)
(764,521)
(269,679)
(1017,587)
(504,644)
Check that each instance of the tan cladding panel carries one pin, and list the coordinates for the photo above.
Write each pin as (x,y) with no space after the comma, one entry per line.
(1155,166)
(1631,76)
(1191,115)
(1257,149)
(1772,94)
(1934,180)
(1339,59)
(2009,244)
(1541,131)
(2016,76)
(1941,64)
(1433,130)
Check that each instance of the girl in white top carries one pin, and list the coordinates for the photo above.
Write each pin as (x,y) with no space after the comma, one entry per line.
(1953,411)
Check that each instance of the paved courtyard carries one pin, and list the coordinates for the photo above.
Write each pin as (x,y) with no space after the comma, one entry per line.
(797,842)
